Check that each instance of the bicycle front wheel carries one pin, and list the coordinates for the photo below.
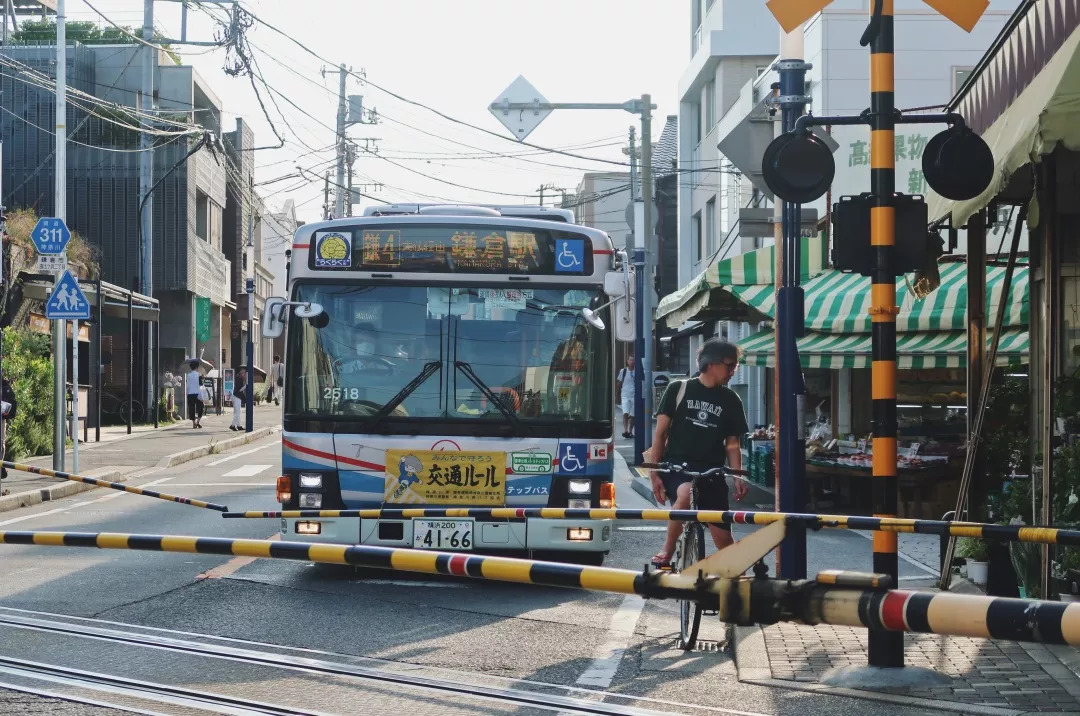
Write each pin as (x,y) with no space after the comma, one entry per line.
(693,551)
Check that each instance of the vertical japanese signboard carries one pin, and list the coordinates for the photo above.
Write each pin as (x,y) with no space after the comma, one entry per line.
(202,319)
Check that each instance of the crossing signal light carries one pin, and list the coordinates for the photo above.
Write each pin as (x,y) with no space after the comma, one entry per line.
(958,164)
(798,167)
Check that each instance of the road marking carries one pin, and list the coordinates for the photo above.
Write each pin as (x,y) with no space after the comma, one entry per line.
(77,505)
(233,565)
(642,528)
(609,654)
(407,583)
(222,484)
(219,461)
(932,572)
(247,471)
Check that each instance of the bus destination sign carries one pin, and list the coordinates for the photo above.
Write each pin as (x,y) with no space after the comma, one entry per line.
(452,249)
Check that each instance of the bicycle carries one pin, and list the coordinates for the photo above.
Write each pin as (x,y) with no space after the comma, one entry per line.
(690,547)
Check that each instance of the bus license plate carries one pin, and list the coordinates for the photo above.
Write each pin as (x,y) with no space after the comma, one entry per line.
(443,534)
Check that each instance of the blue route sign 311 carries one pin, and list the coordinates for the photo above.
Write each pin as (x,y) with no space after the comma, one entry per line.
(50,236)
(67,301)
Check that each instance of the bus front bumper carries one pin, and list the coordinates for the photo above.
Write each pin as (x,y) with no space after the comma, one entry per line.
(528,534)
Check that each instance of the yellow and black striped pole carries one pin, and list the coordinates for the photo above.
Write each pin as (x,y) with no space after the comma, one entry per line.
(844,598)
(115,486)
(885,648)
(974,530)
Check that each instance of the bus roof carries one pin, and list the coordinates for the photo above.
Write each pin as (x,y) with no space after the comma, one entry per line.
(519,211)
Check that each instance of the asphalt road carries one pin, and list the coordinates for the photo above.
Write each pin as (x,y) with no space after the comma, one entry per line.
(554,641)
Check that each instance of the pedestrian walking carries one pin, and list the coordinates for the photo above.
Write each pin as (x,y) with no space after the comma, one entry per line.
(239,396)
(625,387)
(9,406)
(193,381)
(277,381)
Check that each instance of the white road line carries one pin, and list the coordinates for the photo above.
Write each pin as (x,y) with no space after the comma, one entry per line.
(247,471)
(77,505)
(642,528)
(222,484)
(609,654)
(219,461)
(932,572)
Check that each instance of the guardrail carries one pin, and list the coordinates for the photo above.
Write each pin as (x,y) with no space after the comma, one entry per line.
(976,530)
(843,598)
(115,486)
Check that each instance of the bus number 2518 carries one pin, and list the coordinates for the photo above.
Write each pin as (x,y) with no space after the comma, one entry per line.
(341,394)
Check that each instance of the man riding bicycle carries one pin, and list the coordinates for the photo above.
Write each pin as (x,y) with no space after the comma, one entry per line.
(701,427)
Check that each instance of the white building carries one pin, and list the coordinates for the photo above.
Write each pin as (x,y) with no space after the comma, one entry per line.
(724,93)
(600,202)
(278,228)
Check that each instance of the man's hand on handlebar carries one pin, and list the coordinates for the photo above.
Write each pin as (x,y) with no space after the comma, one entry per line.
(741,489)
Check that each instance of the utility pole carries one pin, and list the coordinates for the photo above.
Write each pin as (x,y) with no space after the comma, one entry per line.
(60,327)
(249,286)
(648,245)
(146,182)
(350,158)
(634,253)
(339,210)
(326,197)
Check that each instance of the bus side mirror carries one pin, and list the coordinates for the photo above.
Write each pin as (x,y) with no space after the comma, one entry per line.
(273,313)
(620,286)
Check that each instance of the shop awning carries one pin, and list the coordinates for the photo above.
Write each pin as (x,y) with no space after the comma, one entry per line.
(710,295)
(1022,98)
(839,302)
(921,349)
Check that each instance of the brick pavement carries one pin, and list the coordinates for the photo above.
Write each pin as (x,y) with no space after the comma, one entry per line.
(1003,674)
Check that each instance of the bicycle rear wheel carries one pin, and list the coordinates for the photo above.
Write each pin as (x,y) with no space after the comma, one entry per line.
(693,551)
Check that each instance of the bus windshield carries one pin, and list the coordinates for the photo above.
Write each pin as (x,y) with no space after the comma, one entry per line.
(427,354)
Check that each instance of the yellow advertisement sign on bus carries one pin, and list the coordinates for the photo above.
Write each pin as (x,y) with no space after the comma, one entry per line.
(428,477)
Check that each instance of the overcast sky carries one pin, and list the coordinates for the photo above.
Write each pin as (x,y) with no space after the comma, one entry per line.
(455,57)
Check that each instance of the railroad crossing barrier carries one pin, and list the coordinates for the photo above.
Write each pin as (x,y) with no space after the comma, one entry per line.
(115,486)
(835,597)
(976,530)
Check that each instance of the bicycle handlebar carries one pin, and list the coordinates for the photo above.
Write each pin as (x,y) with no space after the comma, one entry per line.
(681,468)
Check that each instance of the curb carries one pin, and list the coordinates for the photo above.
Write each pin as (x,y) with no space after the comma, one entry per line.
(63,489)
(638,485)
(752,667)
(190,454)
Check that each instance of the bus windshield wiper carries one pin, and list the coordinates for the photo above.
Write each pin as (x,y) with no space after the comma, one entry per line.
(430,368)
(467,369)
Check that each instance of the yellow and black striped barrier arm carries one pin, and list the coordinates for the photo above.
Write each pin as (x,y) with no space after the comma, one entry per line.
(840,598)
(115,486)
(975,530)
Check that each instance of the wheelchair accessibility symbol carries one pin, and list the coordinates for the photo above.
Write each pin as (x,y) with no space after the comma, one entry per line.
(569,256)
(573,458)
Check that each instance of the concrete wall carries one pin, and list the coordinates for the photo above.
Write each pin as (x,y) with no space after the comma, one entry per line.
(603,197)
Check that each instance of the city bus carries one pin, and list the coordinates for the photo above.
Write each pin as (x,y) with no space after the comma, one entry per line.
(453,357)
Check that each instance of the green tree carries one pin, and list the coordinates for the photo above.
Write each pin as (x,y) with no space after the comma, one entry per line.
(28,367)
(43,32)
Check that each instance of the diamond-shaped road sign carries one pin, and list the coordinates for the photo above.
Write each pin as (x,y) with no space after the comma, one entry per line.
(50,236)
(67,301)
(792,13)
(520,121)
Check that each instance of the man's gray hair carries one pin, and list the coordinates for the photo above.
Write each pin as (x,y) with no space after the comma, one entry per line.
(716,350)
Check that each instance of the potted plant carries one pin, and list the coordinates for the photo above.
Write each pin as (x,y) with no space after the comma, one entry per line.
(975,553)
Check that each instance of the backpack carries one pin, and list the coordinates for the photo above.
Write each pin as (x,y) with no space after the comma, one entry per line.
(647,455)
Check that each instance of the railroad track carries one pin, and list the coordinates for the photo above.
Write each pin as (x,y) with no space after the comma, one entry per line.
(341,670)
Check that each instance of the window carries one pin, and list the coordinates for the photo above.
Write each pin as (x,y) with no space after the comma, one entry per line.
(710,105)
(710,225)
(696,121)
(725,199)
(960,76)
(202,215)
(695,236)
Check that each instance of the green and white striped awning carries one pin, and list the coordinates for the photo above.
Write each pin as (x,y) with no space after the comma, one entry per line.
(748,270)
(839,302)
(919,349)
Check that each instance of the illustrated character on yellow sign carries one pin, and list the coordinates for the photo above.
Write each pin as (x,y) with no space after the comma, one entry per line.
(409,468)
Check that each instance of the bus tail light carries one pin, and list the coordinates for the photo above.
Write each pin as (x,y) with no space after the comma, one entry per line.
(607,494)
(284,489)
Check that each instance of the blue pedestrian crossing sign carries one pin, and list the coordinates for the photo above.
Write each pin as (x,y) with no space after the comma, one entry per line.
(67,301)
(50,236)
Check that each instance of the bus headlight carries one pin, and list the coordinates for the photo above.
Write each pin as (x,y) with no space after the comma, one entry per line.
(310,479)
(580,487)
(312,500)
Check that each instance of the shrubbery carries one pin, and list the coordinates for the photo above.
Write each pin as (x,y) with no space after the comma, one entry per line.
(28,366)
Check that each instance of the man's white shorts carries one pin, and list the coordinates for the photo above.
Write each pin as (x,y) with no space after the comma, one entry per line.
(628,406)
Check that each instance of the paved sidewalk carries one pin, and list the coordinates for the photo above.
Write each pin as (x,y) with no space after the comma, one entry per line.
(982,676)
(119,455)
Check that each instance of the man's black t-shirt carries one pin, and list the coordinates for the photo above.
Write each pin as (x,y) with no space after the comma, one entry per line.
(701,424)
